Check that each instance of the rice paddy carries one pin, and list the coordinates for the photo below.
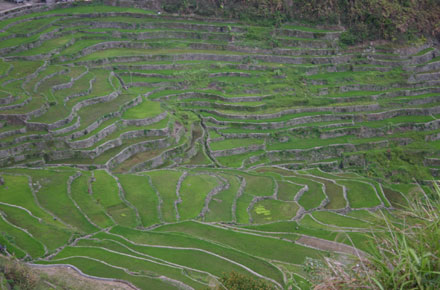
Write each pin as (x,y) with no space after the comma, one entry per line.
(164,151)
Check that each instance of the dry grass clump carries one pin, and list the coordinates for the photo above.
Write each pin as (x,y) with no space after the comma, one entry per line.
(17,274)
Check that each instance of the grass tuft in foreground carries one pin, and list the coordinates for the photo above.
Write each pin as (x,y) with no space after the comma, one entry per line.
(406,257)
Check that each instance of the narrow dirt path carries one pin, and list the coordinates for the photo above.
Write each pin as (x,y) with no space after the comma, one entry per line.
(326,245)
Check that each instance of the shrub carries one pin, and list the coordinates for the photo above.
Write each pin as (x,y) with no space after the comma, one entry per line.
(347,38)
(172,7)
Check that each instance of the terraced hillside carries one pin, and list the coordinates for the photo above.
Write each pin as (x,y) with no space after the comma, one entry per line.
(165,150)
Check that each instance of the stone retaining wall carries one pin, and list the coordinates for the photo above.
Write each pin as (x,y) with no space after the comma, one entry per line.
(329,118)
(112,128)
(239,150)
(432,162)
(52,126)
(16,106)
(341,109)
(367,132)
(322,153)
(81,94)
(220,57)
(190,95)
(69,84)
(136,148)
(146,121)
(12,133)
(332,36)
(221,106)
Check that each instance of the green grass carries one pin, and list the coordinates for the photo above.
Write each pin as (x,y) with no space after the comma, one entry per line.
(283,226)
(17,192)
(166,182)
(193,192)
(85,200)
(220,208)
(22,240)
(334,193)
(287,190)
(47,46)
(258,185)
(109,53)
(186,257)
(180,240)
(313,197)
(236,161)
(139,193)
(106,193)
(395,197)
(339,220)
(53,196)
(234,143)
(79,86)
(273,210)
(360,194)
(146,109)
(135,264)
(241,213)
(49,235)
(253,245)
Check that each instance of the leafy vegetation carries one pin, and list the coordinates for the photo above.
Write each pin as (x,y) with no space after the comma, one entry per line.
(366,20)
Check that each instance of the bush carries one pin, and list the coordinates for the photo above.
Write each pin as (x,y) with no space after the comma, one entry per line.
(347,38)
(172,7)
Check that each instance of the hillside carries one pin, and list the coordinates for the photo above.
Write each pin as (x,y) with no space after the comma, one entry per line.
(165,150)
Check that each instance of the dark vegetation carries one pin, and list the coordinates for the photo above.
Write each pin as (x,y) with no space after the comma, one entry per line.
(395,20)
(237,281)
(397,165)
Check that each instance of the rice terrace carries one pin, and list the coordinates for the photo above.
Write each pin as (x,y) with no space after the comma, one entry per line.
(164,150)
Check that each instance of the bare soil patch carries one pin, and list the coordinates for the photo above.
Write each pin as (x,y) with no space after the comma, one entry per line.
(328,245)
(72,279)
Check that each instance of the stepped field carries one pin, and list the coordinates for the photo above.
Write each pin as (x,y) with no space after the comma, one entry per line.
(166,150)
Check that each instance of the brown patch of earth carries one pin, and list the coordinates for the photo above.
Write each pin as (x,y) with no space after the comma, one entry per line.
(328,246)
(68,278)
